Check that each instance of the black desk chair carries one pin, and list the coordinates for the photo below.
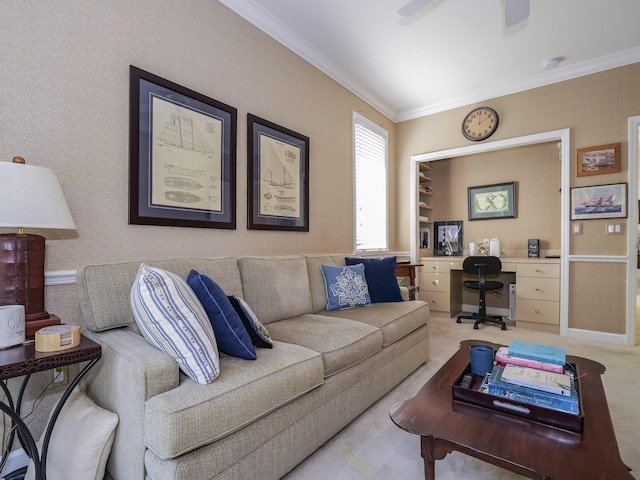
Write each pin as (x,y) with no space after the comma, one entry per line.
(482,266)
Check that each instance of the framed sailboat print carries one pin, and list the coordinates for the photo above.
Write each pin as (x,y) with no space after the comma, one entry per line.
(182,160)
(278,177)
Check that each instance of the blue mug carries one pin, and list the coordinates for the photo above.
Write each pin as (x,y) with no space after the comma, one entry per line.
(481,357)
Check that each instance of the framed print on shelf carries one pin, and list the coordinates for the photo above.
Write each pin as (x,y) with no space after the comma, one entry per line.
(182,159)
(492,201)
(599,160)
(599,201)
(278,177)
(448,238)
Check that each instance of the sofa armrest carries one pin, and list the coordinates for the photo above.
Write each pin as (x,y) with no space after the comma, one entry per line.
(130,372)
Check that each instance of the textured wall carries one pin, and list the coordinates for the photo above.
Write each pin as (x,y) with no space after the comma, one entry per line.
(64,90)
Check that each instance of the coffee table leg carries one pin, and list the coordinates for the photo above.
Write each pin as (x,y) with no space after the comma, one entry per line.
(427,447)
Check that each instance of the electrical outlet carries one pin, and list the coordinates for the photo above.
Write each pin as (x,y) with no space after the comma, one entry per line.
(60,375)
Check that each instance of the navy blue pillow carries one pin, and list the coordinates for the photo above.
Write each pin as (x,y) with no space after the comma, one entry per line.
(231,336)
(381,278)
(258,333)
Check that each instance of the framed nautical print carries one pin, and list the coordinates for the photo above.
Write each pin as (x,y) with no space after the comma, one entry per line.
(182,159)
(599,201)
(278,177)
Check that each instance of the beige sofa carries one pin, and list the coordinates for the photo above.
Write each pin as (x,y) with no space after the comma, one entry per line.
(260,418)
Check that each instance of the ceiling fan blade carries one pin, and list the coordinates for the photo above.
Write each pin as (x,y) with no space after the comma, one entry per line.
(515,11)
(412,7)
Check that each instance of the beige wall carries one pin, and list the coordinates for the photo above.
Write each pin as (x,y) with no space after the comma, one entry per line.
(596,109)
(64,87)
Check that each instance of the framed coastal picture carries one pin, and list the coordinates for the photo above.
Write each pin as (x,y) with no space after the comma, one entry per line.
(182,160)
(599,160)
(278,177)
(492,201)
(448,238)
(599,201)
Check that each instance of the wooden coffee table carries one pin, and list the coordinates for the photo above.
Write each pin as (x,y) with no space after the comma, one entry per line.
(517,444)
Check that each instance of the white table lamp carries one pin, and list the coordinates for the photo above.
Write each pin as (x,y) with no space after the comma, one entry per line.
(30,197)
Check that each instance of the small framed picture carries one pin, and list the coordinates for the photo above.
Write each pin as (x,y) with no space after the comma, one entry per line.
(448,238)
(599,160)
(492,201)
(599,201)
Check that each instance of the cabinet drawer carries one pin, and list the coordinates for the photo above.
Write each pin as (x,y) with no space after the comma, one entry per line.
(538,288)
(546,270)
(431,265)
(438,301)
(538,311)
(434,282)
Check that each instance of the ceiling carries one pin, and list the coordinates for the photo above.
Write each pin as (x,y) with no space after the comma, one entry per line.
(449,53)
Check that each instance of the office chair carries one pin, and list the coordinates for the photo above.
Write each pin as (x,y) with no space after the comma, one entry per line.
(482,266)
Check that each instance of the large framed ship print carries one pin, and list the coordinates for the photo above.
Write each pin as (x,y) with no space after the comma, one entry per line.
(182,162)
(278,177)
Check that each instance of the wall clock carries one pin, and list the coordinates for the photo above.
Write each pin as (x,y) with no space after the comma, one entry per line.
(480,123)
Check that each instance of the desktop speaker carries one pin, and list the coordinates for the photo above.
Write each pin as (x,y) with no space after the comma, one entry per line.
(534,248)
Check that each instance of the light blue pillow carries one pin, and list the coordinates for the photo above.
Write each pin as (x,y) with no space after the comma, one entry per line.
(171,318)
(346,286)
(233,339)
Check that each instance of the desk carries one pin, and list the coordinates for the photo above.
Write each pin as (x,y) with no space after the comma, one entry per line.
(537,288)
(22,361)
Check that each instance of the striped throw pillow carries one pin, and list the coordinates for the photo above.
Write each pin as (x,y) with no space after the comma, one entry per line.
(171,318)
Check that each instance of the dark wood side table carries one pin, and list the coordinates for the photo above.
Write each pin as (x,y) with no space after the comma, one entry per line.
(406,269)
(22,361)
(514,443)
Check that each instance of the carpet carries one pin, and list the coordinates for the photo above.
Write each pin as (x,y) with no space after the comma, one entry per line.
(373,448)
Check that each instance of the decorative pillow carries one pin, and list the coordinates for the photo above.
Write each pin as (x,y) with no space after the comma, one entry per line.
(231,335)
(381,278)
(171,318)
(258,333)
(346,286)
(81,441)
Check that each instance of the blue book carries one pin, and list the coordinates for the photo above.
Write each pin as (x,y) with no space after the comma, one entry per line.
(541,353)
(496,386)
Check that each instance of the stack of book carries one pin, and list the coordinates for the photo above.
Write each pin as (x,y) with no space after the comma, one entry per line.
(534,374)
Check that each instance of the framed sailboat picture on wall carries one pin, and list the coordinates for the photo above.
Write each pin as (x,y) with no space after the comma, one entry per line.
(182,161)
(278,177)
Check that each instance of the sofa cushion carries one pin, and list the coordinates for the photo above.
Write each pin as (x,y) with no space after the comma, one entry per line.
(231,335)
(342,343)
(346,286)
(171,318)
(104,290)
(276,287)
(257,332)
(316,279)
(394,319)
(192,415)
(381,278)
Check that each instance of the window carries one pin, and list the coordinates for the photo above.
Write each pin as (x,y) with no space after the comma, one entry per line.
(370,178)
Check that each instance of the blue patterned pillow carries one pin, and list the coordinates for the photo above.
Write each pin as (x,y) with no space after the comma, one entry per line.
(258,333)
(346,286)
(171,318)
(231,335)
(381,278)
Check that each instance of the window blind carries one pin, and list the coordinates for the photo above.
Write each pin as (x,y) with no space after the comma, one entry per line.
(370,174)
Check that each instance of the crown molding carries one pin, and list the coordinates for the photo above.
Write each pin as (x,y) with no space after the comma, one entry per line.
(277,30)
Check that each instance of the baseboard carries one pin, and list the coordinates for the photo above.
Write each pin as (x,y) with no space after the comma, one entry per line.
(17,459)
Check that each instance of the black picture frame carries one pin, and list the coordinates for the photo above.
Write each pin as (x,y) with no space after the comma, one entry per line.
(448,238)
(182,159)
(278,177)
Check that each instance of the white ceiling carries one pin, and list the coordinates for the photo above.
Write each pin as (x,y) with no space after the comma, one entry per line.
(451,52)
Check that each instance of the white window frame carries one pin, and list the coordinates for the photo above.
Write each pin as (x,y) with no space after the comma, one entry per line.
(360,121)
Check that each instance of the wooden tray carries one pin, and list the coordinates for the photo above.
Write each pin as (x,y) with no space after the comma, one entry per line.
(536,413)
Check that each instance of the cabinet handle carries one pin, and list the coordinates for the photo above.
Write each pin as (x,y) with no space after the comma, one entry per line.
(538,290)
(435,282)
(537,311)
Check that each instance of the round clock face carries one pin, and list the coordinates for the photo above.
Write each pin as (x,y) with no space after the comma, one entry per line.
(480,124)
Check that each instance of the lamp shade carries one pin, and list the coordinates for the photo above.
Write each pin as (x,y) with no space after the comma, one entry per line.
(31,197)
